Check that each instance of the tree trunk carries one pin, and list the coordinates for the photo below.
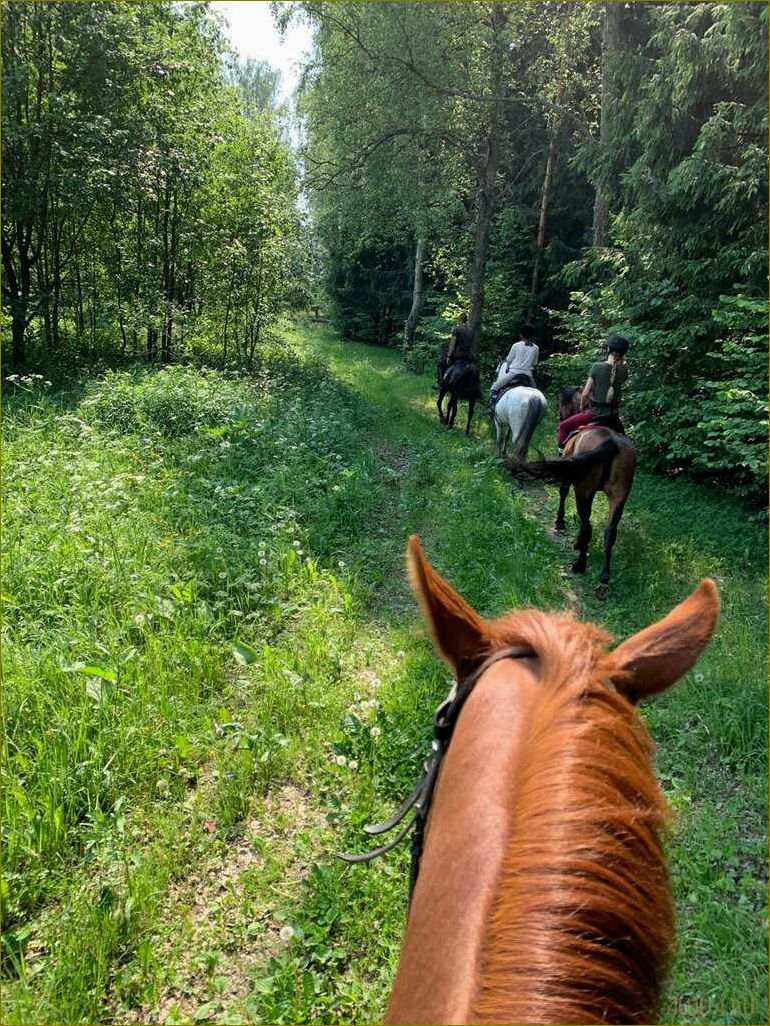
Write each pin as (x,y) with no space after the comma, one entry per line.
(257,307)
(487,200)
(80,322)
(487,192)
(230,287)
(545,200)
(418,295)
(17,286)
(45,298)
(56,282)
(611,41)
(168,280)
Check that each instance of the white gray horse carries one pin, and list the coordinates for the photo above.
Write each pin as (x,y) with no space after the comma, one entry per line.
(517,415)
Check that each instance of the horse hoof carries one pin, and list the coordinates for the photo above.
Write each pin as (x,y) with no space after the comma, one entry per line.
(602,590)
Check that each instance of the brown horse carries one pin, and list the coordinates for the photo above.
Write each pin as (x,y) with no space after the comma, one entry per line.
(596,459)
(543,894)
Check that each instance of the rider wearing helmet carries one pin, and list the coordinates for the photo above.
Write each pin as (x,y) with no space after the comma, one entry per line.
(600,399)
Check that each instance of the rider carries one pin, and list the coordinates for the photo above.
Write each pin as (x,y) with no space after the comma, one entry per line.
(600,400)
(460,350)
(519,364)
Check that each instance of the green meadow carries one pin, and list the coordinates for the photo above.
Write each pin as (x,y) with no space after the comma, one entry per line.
(215,673)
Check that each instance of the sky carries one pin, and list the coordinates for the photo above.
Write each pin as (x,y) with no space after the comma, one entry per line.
(253,33)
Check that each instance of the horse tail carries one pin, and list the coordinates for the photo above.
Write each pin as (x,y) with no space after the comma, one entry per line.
(532,417)
(570,470)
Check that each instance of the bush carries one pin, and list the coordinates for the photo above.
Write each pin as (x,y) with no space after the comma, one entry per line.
(175,400)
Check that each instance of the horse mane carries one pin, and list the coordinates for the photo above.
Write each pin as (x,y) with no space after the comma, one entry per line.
(568,393)
(582,926)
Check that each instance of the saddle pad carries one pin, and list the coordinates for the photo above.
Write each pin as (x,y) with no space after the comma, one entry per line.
(569,446)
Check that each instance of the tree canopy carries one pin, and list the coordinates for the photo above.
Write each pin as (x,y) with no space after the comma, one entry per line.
(149,200)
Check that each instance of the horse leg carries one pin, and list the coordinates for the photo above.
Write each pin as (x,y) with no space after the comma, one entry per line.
(583,501)
(610,534)
(471,406)
(439,401)
(451,412)
(503,434)
(560,523)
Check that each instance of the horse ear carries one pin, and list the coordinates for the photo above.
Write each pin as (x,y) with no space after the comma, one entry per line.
(459,632)
(658,656)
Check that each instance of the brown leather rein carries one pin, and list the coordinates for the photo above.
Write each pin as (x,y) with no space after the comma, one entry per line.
(444,722)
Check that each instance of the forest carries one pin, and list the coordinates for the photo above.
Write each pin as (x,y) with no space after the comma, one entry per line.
(590,167)
(222,306)
(150,201)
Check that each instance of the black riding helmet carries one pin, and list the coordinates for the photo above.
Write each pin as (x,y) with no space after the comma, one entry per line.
(617,344)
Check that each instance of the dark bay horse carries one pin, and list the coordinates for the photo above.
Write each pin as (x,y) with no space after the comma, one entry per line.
(543,894)
(463,384)
(596,459)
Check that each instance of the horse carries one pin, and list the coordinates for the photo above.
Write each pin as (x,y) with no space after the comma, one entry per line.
(516,416)
(596,459)
(542,892)
(463,384)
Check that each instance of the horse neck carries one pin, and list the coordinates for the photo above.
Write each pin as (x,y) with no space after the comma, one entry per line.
(581,928)
(464,850)
(543,895)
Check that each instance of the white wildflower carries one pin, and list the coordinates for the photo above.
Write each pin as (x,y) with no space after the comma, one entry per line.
(286,933)
(341,760)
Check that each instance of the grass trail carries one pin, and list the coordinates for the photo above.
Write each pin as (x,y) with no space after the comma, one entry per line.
(215,673)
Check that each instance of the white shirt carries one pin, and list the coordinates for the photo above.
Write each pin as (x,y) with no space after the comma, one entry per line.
(522,358)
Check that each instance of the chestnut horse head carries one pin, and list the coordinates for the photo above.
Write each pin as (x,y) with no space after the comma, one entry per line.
(569,401)
(543,894)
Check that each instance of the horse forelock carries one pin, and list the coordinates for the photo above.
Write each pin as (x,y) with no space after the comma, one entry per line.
(582,924)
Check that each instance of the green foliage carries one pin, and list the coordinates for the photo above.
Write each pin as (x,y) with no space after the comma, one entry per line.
(370,293)
(688,280)
(149,206)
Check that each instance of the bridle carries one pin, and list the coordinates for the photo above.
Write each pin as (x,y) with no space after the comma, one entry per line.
(444,722)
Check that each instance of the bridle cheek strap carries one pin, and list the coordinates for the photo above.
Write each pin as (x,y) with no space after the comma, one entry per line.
(444,722)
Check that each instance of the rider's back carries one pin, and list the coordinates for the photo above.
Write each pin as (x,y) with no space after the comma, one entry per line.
(463,342)
(523,356)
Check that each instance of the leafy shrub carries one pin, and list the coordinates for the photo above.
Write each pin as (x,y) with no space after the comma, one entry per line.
(175,400)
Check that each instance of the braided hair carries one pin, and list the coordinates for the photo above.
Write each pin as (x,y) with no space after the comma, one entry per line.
(619,345)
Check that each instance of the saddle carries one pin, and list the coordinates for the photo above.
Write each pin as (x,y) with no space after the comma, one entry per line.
(495,397)
(614,423)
